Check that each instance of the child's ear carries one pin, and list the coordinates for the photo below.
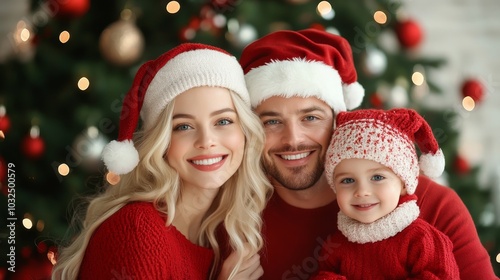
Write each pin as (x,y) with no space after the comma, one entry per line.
(403,189)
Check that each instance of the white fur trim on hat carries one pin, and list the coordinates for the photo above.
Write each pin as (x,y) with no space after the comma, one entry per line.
(353,95)
(296,77)
(120,157)
(432,165)
(201,67)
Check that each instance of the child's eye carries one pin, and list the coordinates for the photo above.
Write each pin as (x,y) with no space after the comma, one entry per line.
(347,181)
(378,177)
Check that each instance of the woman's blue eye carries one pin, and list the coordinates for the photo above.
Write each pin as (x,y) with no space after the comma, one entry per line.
(182,127)
(224,122)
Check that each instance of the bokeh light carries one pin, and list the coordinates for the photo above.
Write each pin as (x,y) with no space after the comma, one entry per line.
(468,103)
(112,178)
(418,78)
(63,169)
(380,17)
(173,7)
(64,37)
(83,83)
(27,223)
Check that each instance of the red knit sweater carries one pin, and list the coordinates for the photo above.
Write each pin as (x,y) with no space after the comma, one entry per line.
(397,246)
(134,243)
(294,236)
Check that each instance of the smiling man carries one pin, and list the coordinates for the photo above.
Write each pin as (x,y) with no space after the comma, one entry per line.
(297,82)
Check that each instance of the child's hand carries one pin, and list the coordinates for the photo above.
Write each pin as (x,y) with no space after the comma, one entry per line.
(250,269)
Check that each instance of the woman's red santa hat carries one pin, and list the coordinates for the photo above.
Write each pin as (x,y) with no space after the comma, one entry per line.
(158,82)
(306,63)
(386,137)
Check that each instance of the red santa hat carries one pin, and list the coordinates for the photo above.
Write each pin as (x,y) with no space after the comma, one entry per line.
(158,82)
(386,137)
(306,63)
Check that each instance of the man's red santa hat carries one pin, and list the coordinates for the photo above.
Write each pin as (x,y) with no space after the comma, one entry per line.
(306,63)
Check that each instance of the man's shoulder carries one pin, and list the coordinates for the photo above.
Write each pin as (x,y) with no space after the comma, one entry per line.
(439,205)
(427,187)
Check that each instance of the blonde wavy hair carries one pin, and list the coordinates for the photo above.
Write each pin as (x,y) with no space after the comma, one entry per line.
(238,205)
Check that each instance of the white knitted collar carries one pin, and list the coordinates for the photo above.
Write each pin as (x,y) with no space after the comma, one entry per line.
(381,229)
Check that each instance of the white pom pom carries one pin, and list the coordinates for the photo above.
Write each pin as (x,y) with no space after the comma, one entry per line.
(353,95)
(432,165)
(120,157)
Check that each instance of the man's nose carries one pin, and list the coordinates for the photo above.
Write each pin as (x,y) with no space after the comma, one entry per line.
(293,135)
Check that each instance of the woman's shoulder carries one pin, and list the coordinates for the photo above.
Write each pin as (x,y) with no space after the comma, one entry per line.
(140,209)
(135,218)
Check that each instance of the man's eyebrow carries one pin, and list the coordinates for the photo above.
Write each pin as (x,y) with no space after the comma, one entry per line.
(301,111)
(269,114)
(312,109)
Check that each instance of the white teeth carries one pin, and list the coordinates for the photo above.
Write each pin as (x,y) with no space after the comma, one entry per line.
(294,157)
(209,161)
(364,205)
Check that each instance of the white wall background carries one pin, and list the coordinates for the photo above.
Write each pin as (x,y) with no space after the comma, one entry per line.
(467,34)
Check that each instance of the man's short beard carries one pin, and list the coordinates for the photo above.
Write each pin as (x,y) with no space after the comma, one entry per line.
(300,180)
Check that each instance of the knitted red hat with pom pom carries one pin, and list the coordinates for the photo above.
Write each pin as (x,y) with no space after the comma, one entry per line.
(306,63)
(387,137)
(158,82)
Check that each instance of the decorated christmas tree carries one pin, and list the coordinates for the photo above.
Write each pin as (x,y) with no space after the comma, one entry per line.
(65,67)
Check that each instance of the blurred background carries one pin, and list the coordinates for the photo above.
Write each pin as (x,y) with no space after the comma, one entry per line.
(65,66)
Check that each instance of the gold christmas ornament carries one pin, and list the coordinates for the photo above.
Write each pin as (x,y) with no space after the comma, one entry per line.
(121,43)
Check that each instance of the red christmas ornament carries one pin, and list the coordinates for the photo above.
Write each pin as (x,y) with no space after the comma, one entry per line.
(194,23)
(4,124)
(4,120)
(461,166)
(42,247)
(70,8)
(376,101)
(409,33)
(224,5)
(3,172)
(3,273)
(474,89)
(33,145)
(4,189)
(26,252)
(33,268)
(317,26)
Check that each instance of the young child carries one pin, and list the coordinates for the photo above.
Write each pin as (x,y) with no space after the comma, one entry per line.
(372,166)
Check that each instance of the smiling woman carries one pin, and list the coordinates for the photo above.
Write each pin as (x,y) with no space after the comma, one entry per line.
(207,141)
(190,173)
